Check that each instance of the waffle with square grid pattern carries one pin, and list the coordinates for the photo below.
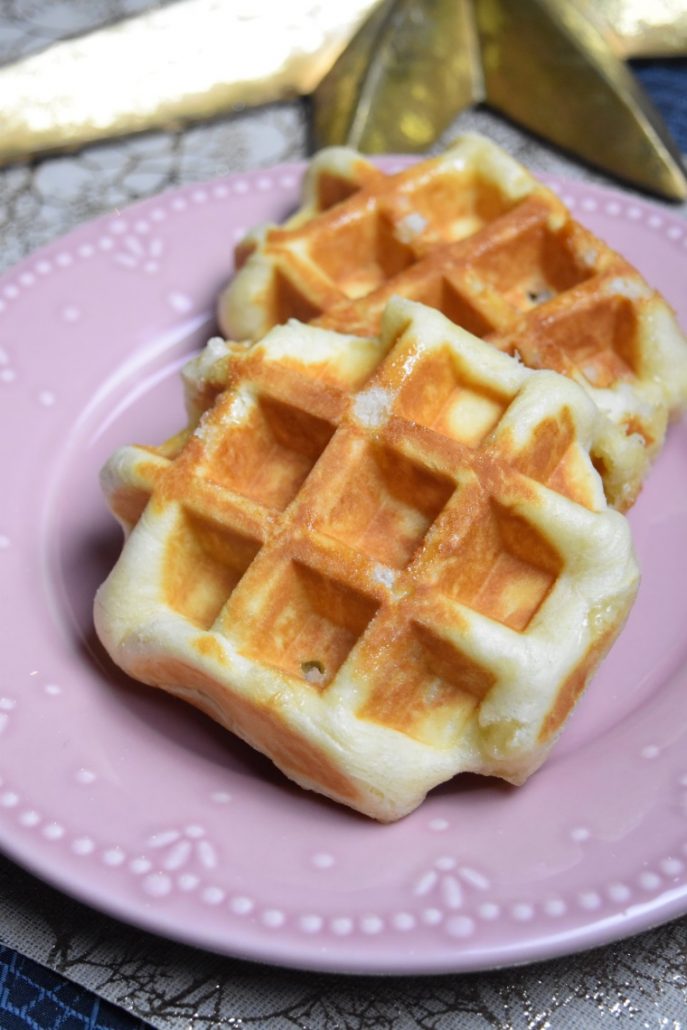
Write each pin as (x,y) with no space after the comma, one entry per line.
(379,560)
(474,235)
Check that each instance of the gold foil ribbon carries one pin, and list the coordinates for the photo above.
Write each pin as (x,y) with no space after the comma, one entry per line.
(646,28)
(187,61)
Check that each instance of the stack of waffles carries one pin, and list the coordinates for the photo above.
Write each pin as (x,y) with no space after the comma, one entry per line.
(389,545)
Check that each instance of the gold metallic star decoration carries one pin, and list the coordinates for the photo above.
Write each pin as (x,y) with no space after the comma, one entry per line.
(383,75)
(548,65)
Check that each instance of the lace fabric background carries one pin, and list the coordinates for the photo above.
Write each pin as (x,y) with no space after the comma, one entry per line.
(643,981)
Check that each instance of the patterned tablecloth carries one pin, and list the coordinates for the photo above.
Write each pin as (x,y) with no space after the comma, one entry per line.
(168,985)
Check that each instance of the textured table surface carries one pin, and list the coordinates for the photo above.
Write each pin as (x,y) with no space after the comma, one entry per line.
(643,980)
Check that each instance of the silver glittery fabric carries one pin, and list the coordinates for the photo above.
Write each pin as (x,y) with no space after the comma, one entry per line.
(642,981)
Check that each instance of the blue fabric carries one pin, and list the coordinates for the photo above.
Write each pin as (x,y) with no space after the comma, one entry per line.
(34,998)
(666,84)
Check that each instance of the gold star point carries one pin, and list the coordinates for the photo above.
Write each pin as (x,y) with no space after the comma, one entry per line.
(548,65)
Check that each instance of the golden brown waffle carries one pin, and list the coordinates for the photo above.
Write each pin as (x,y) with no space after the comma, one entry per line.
(380,561)
(473,235)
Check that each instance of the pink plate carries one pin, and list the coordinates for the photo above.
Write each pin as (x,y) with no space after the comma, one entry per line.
(139,806)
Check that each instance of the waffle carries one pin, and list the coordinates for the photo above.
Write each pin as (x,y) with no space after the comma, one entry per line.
(474,235)
(379,560)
